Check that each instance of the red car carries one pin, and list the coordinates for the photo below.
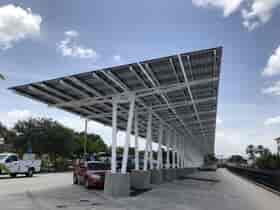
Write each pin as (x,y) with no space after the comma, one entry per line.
(90,173)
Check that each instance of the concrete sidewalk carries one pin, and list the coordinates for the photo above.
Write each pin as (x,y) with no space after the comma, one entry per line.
(219,190)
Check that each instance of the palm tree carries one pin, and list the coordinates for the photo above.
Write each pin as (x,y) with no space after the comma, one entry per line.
(2,77)
(260,149)
(251,151)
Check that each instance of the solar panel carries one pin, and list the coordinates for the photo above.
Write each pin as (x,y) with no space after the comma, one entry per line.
(181,90)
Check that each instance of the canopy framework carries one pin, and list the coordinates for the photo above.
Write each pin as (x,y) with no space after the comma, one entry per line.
(180,90)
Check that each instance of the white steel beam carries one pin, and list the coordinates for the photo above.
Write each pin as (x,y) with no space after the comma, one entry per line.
(189,89)
(151,156)
(108,98)
(77,90)
(85,137)
(114,138)
(84,85)
(149,133)
(159,152)
(52,97)
(155,83)
(128,135)
(136,149)
(173,150)
(169,136)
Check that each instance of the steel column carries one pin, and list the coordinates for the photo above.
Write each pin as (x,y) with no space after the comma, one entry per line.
(159,152)
(85,137)
(149,131)
(136,141)
(168,149)
(173,151)
(128,134)
(114,137)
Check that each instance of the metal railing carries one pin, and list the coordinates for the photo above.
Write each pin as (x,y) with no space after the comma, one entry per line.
(268,178)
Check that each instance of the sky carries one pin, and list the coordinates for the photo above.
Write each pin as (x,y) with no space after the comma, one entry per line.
(42,40)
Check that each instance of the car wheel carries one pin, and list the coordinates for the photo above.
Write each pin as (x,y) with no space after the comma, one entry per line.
(75,179)
(13,175)
(30,172)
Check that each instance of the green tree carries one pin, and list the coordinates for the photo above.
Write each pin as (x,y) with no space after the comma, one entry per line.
(250,150)
(45,137)
(94,144)
(7,134)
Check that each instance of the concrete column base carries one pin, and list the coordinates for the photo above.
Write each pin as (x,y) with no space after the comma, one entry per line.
(181,173)
(164,175)
(140,179)
(173,172)
(117,185)
(156,176)
(167,175)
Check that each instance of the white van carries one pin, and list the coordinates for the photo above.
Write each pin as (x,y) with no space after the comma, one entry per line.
(12,165)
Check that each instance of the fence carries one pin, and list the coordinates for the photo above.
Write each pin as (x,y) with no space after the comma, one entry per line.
(268,178)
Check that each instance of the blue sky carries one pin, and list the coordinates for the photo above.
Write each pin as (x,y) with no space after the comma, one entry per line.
(57,38)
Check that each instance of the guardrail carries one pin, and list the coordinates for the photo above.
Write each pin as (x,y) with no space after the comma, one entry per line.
(268,178)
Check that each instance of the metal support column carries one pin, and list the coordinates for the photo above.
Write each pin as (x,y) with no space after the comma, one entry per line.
(136,149)
(85,137)
(177,151)
(173,150)
(168,149)
(151,156)
(128,134)
(149,132)
(114,137)
(159,152)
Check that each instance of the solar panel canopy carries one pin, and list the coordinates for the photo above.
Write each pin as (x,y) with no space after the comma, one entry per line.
(180,90)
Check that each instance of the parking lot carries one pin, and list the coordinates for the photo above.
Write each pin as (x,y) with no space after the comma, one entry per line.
(206,190)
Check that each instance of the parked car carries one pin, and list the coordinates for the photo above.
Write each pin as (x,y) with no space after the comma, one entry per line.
(90,173)
(12,165)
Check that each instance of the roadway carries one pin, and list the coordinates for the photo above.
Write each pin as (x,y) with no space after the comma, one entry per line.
(201,191)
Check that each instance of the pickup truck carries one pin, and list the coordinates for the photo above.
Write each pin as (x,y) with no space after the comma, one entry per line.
(10,164)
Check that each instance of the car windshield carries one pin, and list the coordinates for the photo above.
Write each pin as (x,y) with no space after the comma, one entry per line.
(97,166)
(2,157)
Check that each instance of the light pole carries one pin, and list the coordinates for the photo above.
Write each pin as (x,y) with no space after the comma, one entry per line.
(278,145)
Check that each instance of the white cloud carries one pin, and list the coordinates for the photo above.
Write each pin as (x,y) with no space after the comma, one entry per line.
(228,6)
(72,33)
(273,64)
(219,120)
(273,89)
(17,23)
(259,12)
(11,117)
(220,134)
(117,58)
(69,47)
(272,121)
(254,12)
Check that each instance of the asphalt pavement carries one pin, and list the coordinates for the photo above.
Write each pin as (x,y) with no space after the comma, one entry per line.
(219,190)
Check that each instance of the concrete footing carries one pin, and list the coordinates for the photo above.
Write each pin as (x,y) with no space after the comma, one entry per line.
(117,185)
(164,175)
(173,173)
(156,176)
(140,179)
(167,175)
(179,173)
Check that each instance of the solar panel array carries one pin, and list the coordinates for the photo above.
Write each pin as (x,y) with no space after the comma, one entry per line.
(181,90)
